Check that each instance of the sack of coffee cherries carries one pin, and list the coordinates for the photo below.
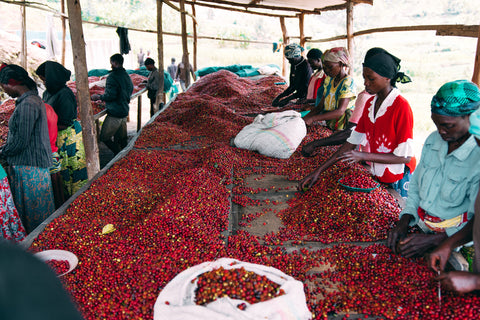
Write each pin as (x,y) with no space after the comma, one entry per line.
(232,289)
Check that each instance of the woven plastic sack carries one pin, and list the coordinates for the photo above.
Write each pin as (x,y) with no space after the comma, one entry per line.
(177,300)
(276,134)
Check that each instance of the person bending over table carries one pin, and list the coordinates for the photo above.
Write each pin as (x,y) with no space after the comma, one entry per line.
(391,151)
(444,186)
(300,73)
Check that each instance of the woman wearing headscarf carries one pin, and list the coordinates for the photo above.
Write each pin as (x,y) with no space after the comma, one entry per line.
(336,104)
(69,140)
(314,57)
(27,149)
(461,281)
(300,73)
(386,126)
(445,184)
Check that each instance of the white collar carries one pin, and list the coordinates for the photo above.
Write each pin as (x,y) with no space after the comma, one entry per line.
(384,106)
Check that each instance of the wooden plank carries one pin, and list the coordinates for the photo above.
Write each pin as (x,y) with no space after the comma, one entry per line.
(139,112)
(195,39)
(160,96)
(83,93)
(350,44)
(185,60)
(460,31)
(476,66)
(64,30)
(23,52)
(257,6)
(301,26)
(285,42)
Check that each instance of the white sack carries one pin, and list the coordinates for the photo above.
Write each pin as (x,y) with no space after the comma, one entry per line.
(180,296)
(274,135)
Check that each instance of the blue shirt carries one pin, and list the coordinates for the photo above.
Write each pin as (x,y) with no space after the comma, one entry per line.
(445,185)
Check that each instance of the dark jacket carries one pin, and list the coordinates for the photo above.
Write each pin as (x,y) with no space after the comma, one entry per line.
(299,76)
(118,89)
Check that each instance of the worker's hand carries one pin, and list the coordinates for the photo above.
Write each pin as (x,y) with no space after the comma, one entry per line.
(309,149)
(310,180)
(439,257)
(415,245)
(308,120)
(95,97)
(459,281)
(352,156)
(397,233)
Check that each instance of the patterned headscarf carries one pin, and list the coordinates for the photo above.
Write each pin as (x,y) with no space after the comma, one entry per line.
(456,98)
(386,65)
(338,54)
(293,50)
(475,124)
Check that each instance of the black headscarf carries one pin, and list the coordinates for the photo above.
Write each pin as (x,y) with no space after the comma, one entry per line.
(56,76)
(386,65)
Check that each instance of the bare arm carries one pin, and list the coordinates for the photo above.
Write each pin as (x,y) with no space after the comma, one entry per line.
(321,114)
(312,178)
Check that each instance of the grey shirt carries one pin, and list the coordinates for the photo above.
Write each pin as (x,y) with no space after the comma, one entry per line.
(28,143)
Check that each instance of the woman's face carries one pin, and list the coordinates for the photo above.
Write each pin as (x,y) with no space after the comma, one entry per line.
(9,90)
(316,64)
(374,83)
(332,69)
(451,129)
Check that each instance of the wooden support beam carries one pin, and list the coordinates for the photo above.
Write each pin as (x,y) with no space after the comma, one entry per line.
(139,112)
(23,52)
(350,44)
(64,30)
(247,6)
(160,96)
(185,60)
(195,39)
(83,93)
(285,42)
(476,67)
(301,27)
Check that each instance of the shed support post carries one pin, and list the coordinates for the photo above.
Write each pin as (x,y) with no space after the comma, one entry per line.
(476,67)
(83,92)
(64,31)
(195,38)
(301,22)
(23,52)
(350,44)
(285,42)
(160,96)
(185,60)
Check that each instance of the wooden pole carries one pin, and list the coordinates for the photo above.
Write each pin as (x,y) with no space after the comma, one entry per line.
(160,96)
(476,67)
(195,39)
(83,94)
(350,44)
(64,30)
(301,21)
(185,61)
(285,42)
(23,52)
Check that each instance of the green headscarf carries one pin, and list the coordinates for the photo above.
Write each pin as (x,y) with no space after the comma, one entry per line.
(475,124)
(456,98)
